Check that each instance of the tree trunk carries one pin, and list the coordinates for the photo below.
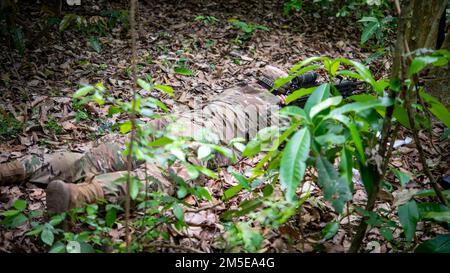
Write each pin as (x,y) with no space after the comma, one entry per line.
(424,29)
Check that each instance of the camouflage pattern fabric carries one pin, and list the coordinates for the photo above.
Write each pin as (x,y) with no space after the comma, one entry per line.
(74,167)
(236,112)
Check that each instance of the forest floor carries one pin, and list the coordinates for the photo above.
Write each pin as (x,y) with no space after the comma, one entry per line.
(36,89)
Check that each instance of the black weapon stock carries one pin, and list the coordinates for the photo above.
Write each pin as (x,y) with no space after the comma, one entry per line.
(308,80)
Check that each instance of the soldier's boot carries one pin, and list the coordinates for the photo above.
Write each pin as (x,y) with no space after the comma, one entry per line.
(12,173)
(63,196)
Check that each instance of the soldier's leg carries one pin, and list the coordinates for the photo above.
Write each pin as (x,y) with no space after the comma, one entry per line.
(39,168)
(63,196)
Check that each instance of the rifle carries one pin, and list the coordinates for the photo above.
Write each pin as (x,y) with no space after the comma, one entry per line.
(308,80)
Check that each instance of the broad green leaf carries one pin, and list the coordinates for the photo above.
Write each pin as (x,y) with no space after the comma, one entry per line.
(203,193)
(438,216)
(437,108)
(111,216)
(321,93)
(225,152)
(439,244)
(207,172)
(292,165)
(408,215)
(135,185)
(178,211)
(401,115)
(402,177)
(242,180)
(369,30)
(165,88)
(252,148)
(336,189)
(19,220)
(192,171)
(47,236)
(419,63)
(293,111)
(386,233)
(324,105)
(144,85)
(160,142)
(368,19)
(58,247)
(83,91)
(229,193)
(357,140)
(330,230)
(183,71)
(125,127)
(359,106)
(346,166)
(20,204)
(301,64)
(203,152)
(299,93)
(10,213)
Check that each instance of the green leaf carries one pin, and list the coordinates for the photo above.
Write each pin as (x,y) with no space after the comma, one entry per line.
(402,177)
(439,244)
(324,105)
(178,212)
(437,108)
(204,193)
(386,233)
(160,142)
(95,44)
(83,91)
(292,165)
(10,213)
(346,166)
(207,172)
(135,185)
(357,140)
(330,230)
(242,180)
(419,63)
(336,190)
(408,215)
(294,111)
(368,19)
(126,127)
(438,216)
(252,148)
(369,30)
(203,152)
(401,115)
(111,216)
(229,193)
(58,247)
(19,220)
(165,88)
(144,85)
(47,236)
(20,204)
(359,106)
(192,171)
(321,93)
(183,71)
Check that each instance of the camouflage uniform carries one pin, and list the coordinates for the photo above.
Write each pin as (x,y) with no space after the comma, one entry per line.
(237,112)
